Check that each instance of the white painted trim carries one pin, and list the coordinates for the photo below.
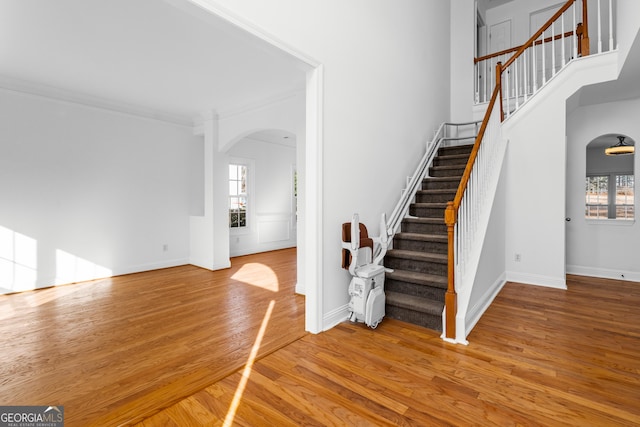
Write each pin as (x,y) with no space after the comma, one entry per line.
(263,248)
(335,317)
(90,101)
(300,289)
(536,280)
(476,312)
(631,276)
(313,187)
(313,259)
(118,271)
(241,22)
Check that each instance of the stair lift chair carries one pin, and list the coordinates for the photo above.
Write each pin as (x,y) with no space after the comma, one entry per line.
(362,256)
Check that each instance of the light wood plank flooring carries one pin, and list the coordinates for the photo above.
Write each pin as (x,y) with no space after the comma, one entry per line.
(116,351)
(538,357)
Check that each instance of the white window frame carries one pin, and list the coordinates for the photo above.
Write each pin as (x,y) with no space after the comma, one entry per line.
(249,194)
(611,198)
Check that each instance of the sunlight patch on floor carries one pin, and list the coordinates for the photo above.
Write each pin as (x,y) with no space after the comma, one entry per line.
(259,275)
(246,373)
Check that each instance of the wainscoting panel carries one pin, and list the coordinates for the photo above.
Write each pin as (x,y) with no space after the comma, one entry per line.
(274,229)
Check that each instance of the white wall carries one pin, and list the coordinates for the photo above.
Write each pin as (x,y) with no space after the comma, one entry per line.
(92,192)
(605,248)
(535,225)
(462,52)
(490,276)
(518,12)
(384,89)
(272,214)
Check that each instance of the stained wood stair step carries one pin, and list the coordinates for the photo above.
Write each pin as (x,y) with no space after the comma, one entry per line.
(418,278)
(417,256)
(422,237)
(430,205)
(422,305)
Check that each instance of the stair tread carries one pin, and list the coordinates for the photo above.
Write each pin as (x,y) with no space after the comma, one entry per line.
(439,191)
(410,302)
(430,205)
(418,278)
(440,178)
(452,156)
(449,167)
(424,220)
(418,256)
(421,236)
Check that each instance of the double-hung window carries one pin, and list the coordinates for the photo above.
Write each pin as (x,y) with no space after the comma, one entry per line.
(238,196)
(610,196)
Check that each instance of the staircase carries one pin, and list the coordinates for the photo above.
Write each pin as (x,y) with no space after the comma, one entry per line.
(415,289)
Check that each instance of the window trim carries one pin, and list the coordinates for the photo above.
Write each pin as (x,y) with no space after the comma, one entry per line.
(250,190)
(611,197)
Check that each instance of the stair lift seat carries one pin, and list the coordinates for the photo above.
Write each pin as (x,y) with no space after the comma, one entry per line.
(366,289)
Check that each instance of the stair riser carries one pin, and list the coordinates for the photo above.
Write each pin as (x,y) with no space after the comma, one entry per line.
(424,212)
(446,161)
(412,227)
(414,317)
(425,197)
(454,151)
(427,267)
(432,184)
(436,172)
(424,291)
(420,246)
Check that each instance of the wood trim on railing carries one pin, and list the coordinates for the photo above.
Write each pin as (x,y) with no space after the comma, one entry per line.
(451,219)
(538,33)
(515,48)
(585,34)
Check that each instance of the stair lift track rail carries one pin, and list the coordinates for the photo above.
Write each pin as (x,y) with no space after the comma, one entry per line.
(408,194)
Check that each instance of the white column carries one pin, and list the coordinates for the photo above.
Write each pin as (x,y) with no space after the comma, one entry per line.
(209,246)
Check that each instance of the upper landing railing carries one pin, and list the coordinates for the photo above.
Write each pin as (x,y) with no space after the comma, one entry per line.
(569,34)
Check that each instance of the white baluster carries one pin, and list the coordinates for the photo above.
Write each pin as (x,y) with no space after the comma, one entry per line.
(562,39)
(534,66)
(611,47)
(515,83)
(553,50)
(575,36)
(526,75)
(507,92)
(599,29)
(544,71)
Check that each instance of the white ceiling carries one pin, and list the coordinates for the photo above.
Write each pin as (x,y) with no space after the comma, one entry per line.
(164,58)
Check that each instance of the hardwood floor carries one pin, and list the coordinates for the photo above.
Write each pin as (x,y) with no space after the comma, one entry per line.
(538,357)
(115,351)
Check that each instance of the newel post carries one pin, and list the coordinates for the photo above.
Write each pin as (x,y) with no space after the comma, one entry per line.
(450,298)
(584,41)
(499,84)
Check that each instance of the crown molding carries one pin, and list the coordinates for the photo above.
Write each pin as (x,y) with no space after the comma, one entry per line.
(64,95)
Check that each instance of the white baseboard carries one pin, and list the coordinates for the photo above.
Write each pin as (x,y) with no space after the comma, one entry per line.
(631,276)
(537,280)
(335,317)
(476,312)
(300,289)
(261,248)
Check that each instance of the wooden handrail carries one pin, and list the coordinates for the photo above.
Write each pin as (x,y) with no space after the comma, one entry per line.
(451,218)
(542,29)
(515,48)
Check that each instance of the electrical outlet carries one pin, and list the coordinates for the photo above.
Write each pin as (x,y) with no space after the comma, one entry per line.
(518,257)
